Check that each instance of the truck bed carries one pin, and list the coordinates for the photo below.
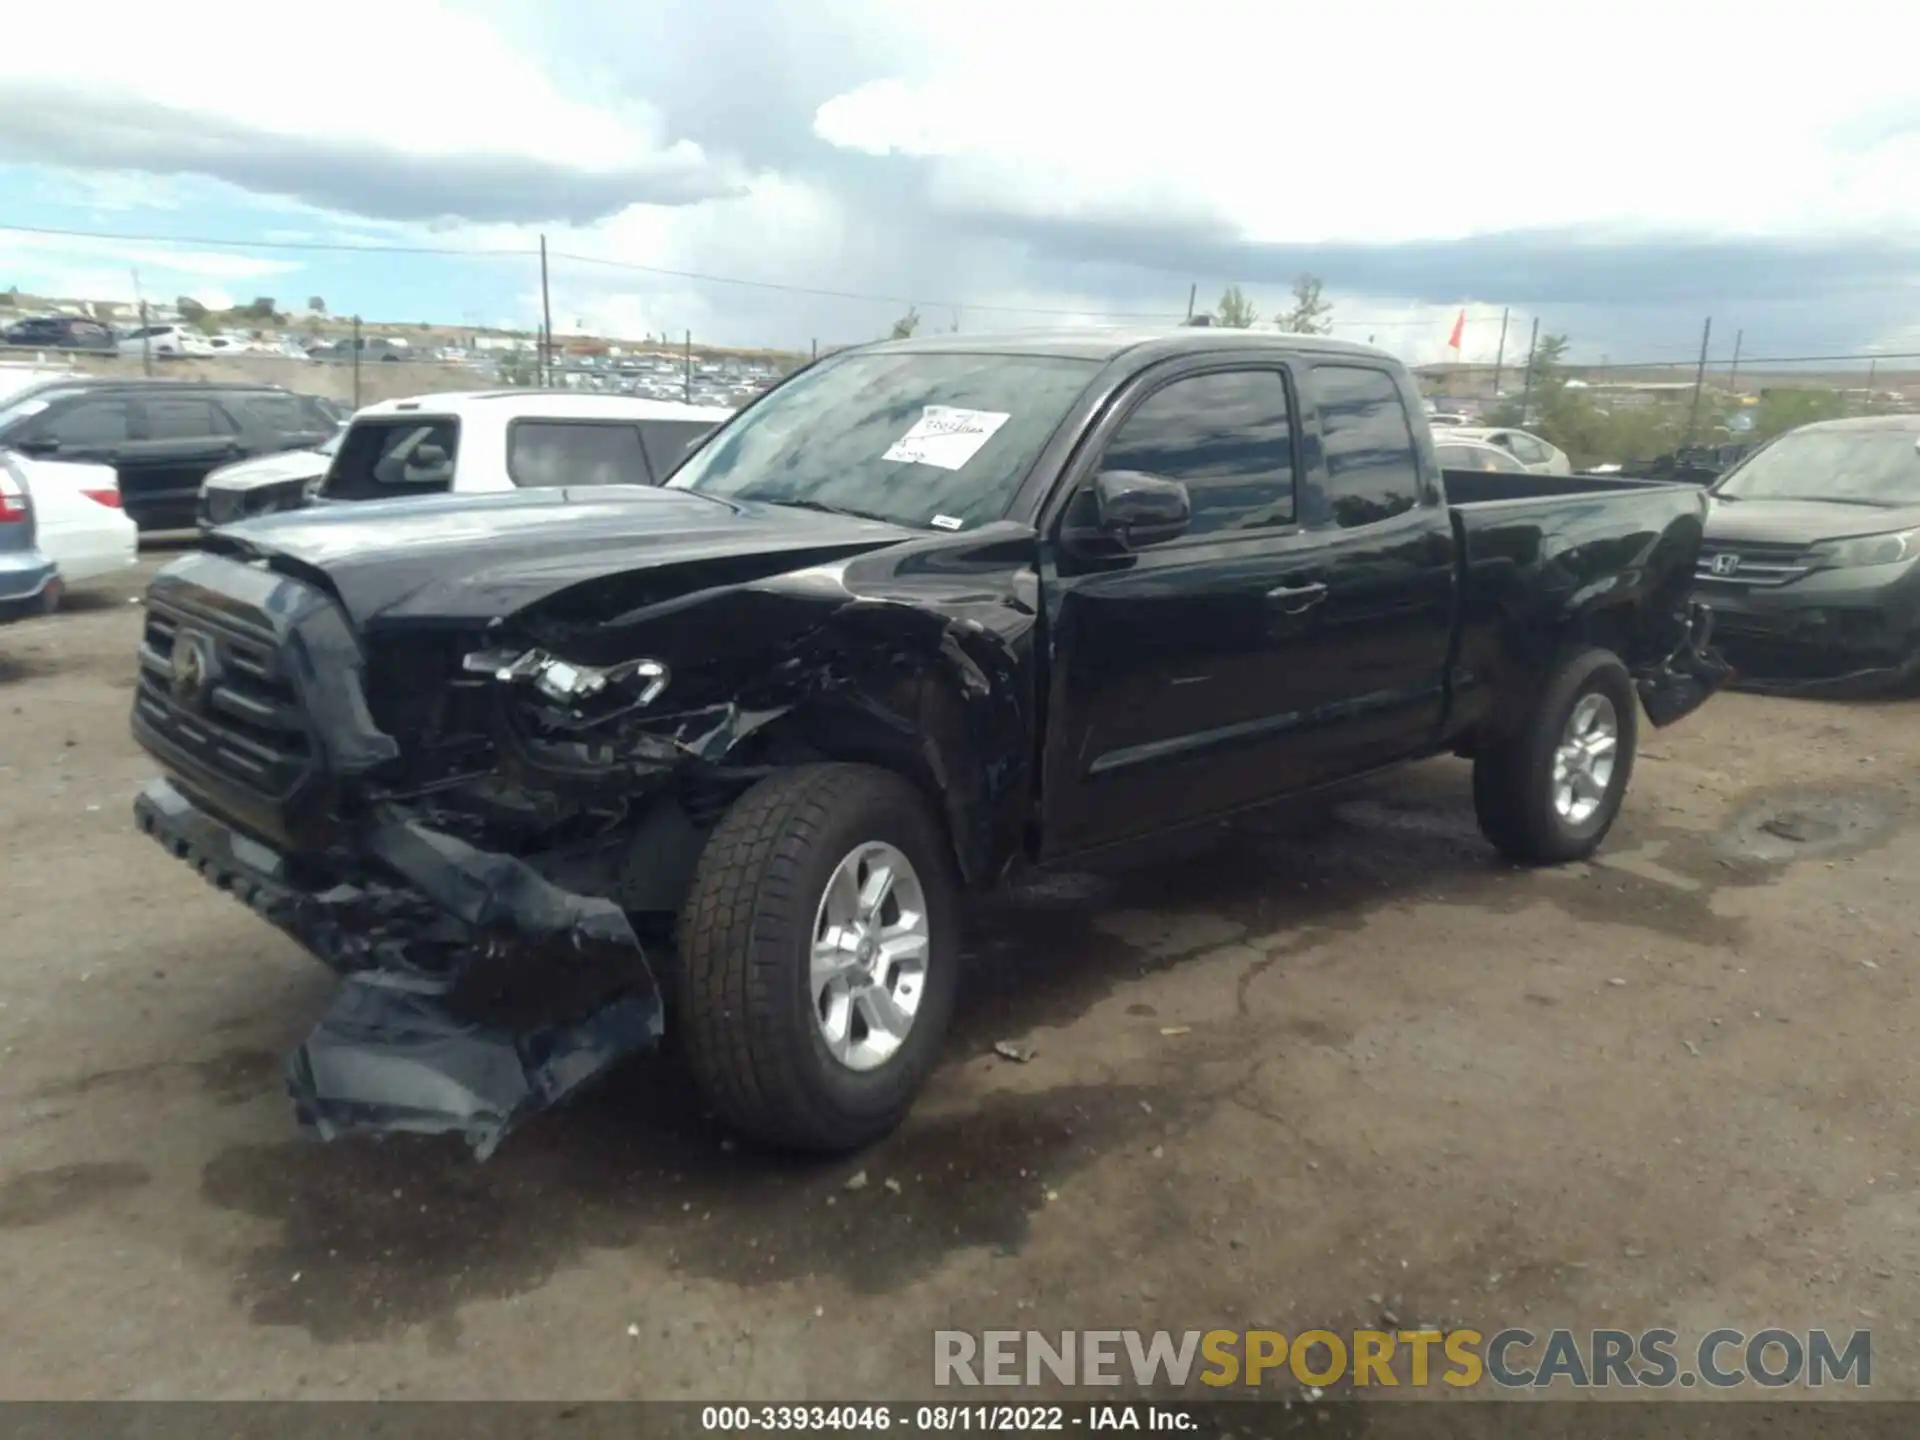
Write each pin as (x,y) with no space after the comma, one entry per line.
(1544,557)
(1487,487)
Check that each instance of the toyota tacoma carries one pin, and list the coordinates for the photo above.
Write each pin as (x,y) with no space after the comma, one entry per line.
(550,775)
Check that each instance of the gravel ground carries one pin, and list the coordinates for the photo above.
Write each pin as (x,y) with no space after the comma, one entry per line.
(1309,1075)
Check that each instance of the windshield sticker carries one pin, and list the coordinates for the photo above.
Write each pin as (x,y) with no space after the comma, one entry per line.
(947,522)
(946,436)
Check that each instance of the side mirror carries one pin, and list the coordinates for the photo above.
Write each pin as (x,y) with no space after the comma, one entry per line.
(1126,510)
(38,445)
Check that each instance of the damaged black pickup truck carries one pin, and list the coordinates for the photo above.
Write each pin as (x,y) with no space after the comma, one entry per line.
(551,774)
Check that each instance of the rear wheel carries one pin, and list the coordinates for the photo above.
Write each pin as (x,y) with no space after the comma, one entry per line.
(1548,792)
(818,955)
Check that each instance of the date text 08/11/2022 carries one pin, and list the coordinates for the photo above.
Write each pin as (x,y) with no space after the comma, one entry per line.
(924,1419)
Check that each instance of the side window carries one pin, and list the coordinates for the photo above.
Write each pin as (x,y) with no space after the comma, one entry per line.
(1528,450)
(394,457)
(554,452)
(1373,473)
(667,442)
(276,414)
(184,417)
(86,422)
(1228,437)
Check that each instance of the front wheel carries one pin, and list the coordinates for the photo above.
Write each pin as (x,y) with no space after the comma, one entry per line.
(1549,792)
(818,957)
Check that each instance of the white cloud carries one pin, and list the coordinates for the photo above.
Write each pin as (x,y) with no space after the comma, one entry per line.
(79,268)
(1384,124)
(417,76)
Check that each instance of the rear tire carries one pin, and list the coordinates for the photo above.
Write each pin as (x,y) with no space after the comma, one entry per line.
(1550,791)
(780,1053)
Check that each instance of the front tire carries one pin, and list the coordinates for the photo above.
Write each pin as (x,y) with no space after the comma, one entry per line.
(818,953)
(1549,792)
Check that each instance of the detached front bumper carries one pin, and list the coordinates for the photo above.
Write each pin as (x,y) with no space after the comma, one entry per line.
(1690,674)
(475,991)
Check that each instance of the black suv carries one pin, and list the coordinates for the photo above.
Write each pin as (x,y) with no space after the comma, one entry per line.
(163,436)
(60,332)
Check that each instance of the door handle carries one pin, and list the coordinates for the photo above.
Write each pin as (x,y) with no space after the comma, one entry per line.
(1297,599)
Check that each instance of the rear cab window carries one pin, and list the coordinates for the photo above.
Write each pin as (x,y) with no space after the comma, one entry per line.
(1373,470)
(394,455)
(546,453)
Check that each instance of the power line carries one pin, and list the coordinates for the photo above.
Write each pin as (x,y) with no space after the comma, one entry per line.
(1398,322)
(703,278)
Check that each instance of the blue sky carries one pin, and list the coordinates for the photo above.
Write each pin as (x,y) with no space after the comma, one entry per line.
(1003,165)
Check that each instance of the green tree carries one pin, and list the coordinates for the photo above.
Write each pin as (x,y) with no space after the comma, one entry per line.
(1783,410)
(1235,311)
(1310,314)
(317,305)
(904,327)
(191,310)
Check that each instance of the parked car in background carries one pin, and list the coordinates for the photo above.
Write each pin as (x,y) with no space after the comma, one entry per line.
(1811,559)
(727,754)
(265,483)
(1695,464)
(1533,453)
(81,525)
(1457,454)
(59,332)
(164,341)
(162,436)
(489,441)
(29,579)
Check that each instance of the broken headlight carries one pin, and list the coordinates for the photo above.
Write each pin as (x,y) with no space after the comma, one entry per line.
(629,685)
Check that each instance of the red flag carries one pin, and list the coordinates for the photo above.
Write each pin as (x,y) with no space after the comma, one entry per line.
(1459,325)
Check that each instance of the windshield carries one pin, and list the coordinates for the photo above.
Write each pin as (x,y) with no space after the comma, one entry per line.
(1860,467)
(926,440)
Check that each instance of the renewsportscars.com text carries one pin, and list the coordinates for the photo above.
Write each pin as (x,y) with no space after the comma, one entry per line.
(1512,1359)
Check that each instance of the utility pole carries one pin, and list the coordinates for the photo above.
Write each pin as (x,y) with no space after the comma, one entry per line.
(356,362)
(1873,367)
(1526,391)
(546,320)
(146,340)
(816,352)
(688,388)
(1193,294)
(1733,374)
(1500,355)
(1699,378)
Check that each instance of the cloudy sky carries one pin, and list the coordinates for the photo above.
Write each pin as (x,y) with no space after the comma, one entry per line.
(767,172)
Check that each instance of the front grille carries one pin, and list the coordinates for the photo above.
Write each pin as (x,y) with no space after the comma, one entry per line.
(229,707)
(1747,562)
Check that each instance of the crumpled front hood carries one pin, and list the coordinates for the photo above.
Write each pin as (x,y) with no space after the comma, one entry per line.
(1802,522)
(472,558)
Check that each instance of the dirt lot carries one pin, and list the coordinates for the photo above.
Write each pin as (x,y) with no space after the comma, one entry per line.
(1673,1087)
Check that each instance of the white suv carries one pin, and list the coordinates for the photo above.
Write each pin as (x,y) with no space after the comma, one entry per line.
(164,340)
(493,440)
